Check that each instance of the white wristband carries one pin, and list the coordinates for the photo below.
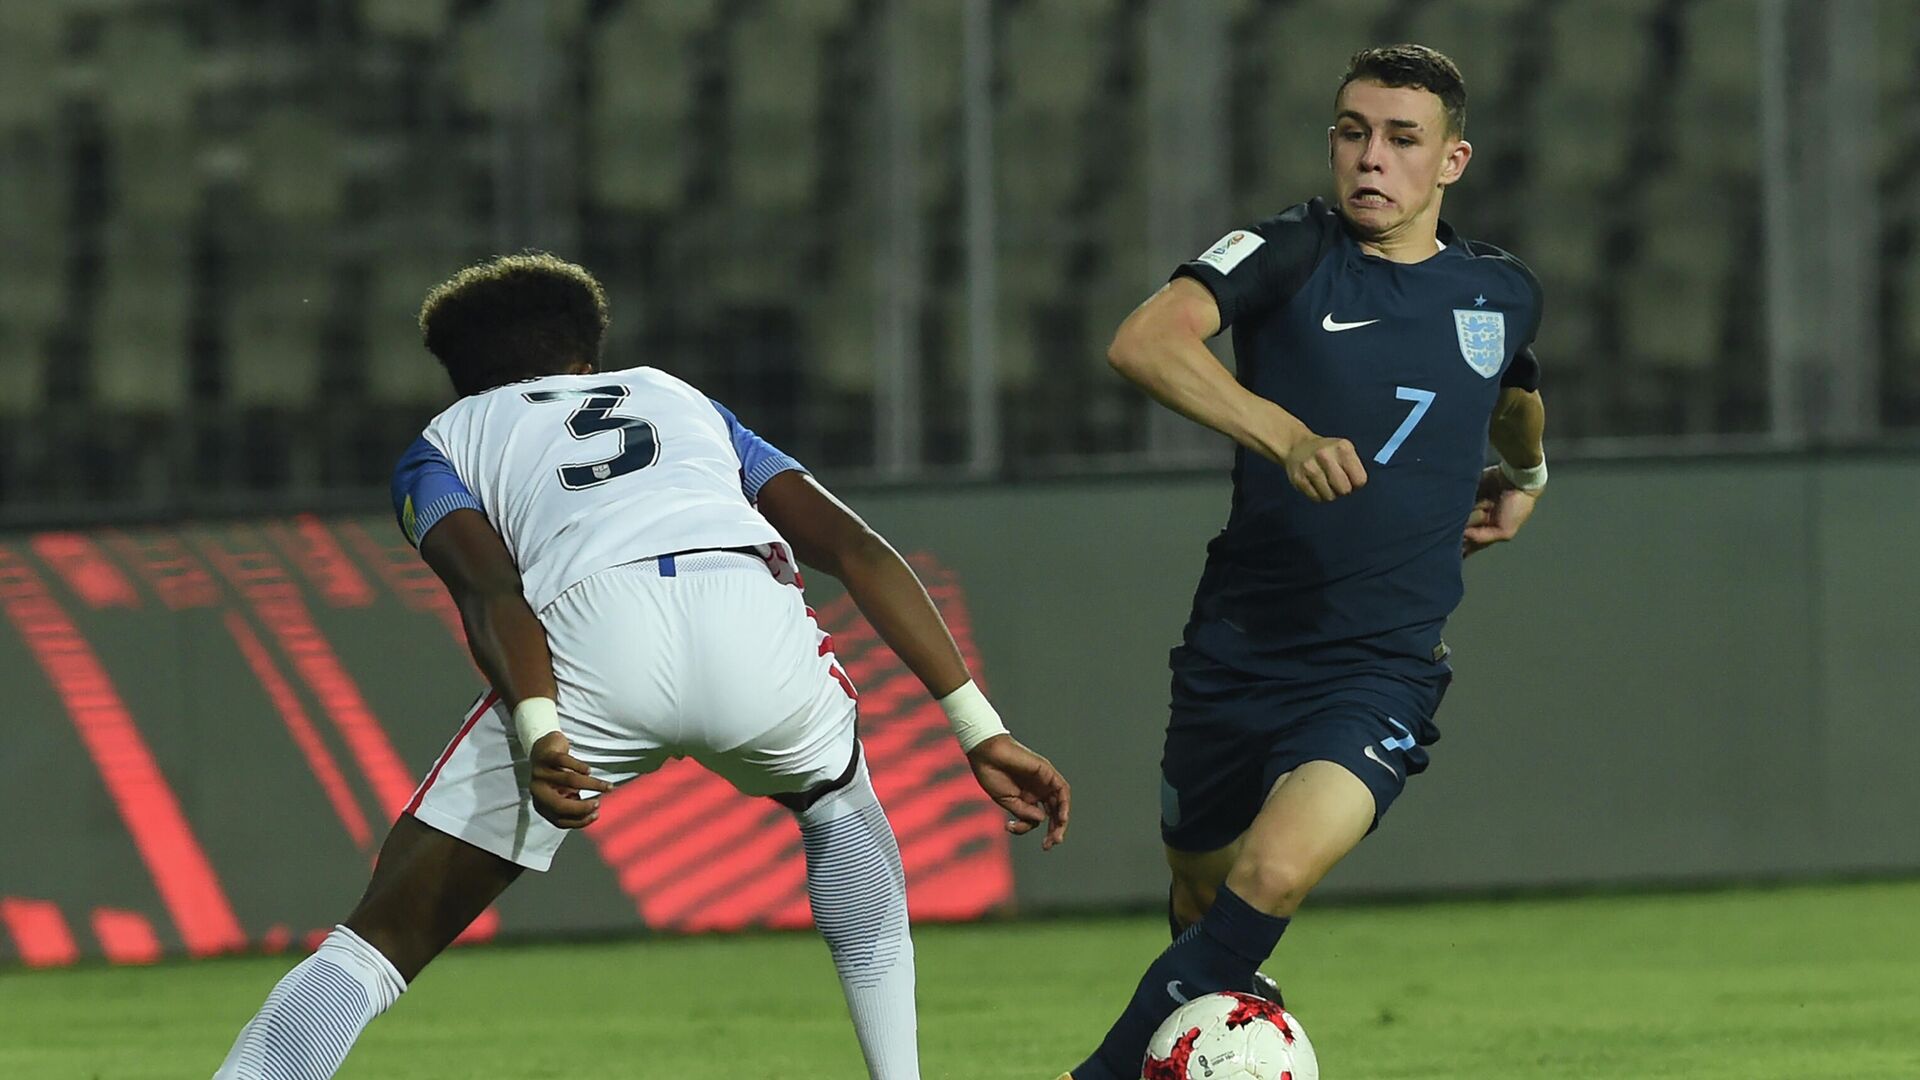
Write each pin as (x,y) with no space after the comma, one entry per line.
(534,718)
(973,719)
(1527,480)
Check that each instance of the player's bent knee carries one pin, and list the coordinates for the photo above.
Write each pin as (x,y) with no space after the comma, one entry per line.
(1276,886)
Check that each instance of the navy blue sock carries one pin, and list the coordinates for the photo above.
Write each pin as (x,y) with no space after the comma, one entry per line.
(1220,952)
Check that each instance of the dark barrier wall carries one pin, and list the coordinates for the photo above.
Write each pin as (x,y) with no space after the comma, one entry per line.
(1682,672)
(211,728)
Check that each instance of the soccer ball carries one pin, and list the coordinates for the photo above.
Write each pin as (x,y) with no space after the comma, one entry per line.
(1230,1036)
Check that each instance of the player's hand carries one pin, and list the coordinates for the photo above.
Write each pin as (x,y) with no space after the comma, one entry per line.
(1498,512)
(1025,785)
(559,782)
(1324,469)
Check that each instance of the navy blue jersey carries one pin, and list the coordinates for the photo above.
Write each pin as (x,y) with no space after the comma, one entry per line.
(1406,361)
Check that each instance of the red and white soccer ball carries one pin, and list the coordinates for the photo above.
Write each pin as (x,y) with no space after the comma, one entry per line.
(1230,1036)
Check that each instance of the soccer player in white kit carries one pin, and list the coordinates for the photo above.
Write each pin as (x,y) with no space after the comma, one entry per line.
(621,552)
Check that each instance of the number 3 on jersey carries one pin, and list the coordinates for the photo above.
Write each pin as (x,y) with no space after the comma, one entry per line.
(639,444)
(1422,401)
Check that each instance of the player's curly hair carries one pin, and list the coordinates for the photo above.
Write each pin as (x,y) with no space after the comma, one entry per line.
(1416,66)
(514,317)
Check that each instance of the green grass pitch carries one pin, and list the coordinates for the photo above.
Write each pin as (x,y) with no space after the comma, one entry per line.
(1792,982)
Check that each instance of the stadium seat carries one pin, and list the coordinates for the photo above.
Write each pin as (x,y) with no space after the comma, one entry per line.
(484,80)
(146,68)
(153,174)
(1896,32)
(33,236)
(1030,295)
(424,20)
(938,61)
(754,257)
(1302,50)
(1722,43)
(30,50)
(1054,53)
(1716,135)
(774,162)
(818,14)
(1053,63)
(1481,40)
(1686,224)
(1669,320)
(23,367)
(1306,46)
(1600,51)
(146,85)
(1504,8)
(298,160)
(1569,338)
(1037,164)
(1673,296)
(936,74)
(1562,244)
(636,164)
(639,91)
(773,109)
(399,370)
(141,319)
(1578,142)
(840,328)
(640,67)
(674,18)
(276,309)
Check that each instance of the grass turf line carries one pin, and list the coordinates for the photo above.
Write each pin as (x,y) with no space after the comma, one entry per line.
(1777,983)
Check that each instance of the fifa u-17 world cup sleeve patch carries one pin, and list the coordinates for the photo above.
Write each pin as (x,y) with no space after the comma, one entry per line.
(426,489)
(760,460)
(1232,250)
(1261,267)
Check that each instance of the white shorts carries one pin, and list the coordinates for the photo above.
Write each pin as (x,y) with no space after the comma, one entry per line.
(704,656)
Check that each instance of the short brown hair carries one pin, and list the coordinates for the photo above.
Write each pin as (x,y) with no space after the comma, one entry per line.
(1416,66)
(514,317)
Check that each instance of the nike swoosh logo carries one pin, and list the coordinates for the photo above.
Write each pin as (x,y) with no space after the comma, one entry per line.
(1382,762)
(1173,991)
(1332,327)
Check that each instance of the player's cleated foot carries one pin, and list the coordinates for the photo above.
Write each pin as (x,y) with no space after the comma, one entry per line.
(1264,986)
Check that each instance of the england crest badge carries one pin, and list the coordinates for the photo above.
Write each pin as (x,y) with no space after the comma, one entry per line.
(1483,339)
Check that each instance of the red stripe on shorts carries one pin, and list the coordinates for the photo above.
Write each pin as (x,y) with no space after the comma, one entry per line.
(480,711)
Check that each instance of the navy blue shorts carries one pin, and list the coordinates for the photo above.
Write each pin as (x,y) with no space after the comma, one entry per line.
(1233,734)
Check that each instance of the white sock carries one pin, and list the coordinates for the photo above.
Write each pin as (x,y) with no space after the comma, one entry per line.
(859,896)
(314,1015)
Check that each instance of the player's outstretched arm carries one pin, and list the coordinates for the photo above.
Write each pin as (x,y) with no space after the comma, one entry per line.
(826,534)
(510,646)
(1508,491)
(1162,348)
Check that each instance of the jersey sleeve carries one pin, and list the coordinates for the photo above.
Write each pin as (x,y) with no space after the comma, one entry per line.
(1524,372)
(1255,270)
(426,489)
(760,460)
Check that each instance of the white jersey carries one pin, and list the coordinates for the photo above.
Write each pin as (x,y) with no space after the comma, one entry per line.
(580,473)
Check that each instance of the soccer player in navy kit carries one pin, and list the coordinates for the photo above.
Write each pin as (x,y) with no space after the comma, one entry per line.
(1379,353)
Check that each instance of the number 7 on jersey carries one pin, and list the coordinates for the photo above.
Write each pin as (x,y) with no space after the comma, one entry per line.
(1422,401)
